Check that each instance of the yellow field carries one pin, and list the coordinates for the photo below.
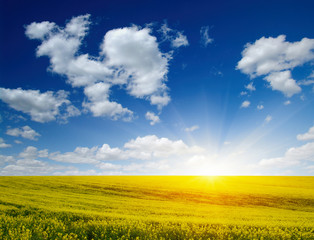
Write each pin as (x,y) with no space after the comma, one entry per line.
(156,207)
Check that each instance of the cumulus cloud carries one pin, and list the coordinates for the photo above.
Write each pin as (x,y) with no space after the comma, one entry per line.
(152,117)
(282,81)
(192,129)
(98,102)
(151,146)
(42,107)
(205,39)
(128,57)
(293,156)
(3,144)
(32,152)
(309,135)
(39,30)
(245,104)
(25,132)
(274,58)
(287,102)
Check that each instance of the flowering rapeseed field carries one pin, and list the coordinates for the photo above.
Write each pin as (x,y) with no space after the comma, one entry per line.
(156,207)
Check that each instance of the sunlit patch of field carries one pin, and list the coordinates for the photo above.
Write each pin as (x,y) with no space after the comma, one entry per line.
(156,207)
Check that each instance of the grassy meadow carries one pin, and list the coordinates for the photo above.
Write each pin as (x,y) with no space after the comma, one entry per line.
(156,207)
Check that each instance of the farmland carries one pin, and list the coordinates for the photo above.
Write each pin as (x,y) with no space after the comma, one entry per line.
(156,207)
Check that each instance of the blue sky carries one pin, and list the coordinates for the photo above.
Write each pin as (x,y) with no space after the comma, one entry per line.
(157,87)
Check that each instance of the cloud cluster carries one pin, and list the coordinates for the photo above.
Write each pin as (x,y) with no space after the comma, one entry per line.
(26,163)
(3,144)
(142,148)
(25,132)
(148,153)
(295,155)
(42,107)
(128,57)
(274,58)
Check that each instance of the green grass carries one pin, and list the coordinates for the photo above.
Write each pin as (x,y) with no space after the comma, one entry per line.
(157,207)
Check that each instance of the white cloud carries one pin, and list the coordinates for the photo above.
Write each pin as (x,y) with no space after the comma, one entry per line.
(180,40)
(151,146)
(99,104)
(25,132)
(109,166)
(205,39)
(275,58)
(31,153)
(160,100)
(142,148)
(283,82)
(287,102)
(176,38)
(192,129)
(39,30)
(152,117)
(129,57)
(3,144)
(260,107)
(268,55)
(75,172)
(80,155)
(136,51)
(32,167)
(245,104)
(42,107)
(6,159)
(306,136)
(17,142)
(250,87)
(268,119)
(27,164)
(306,82)
(293,156)
(243,93)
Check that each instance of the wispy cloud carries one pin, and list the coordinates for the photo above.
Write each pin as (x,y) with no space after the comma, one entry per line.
(192,129)
(205,39)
